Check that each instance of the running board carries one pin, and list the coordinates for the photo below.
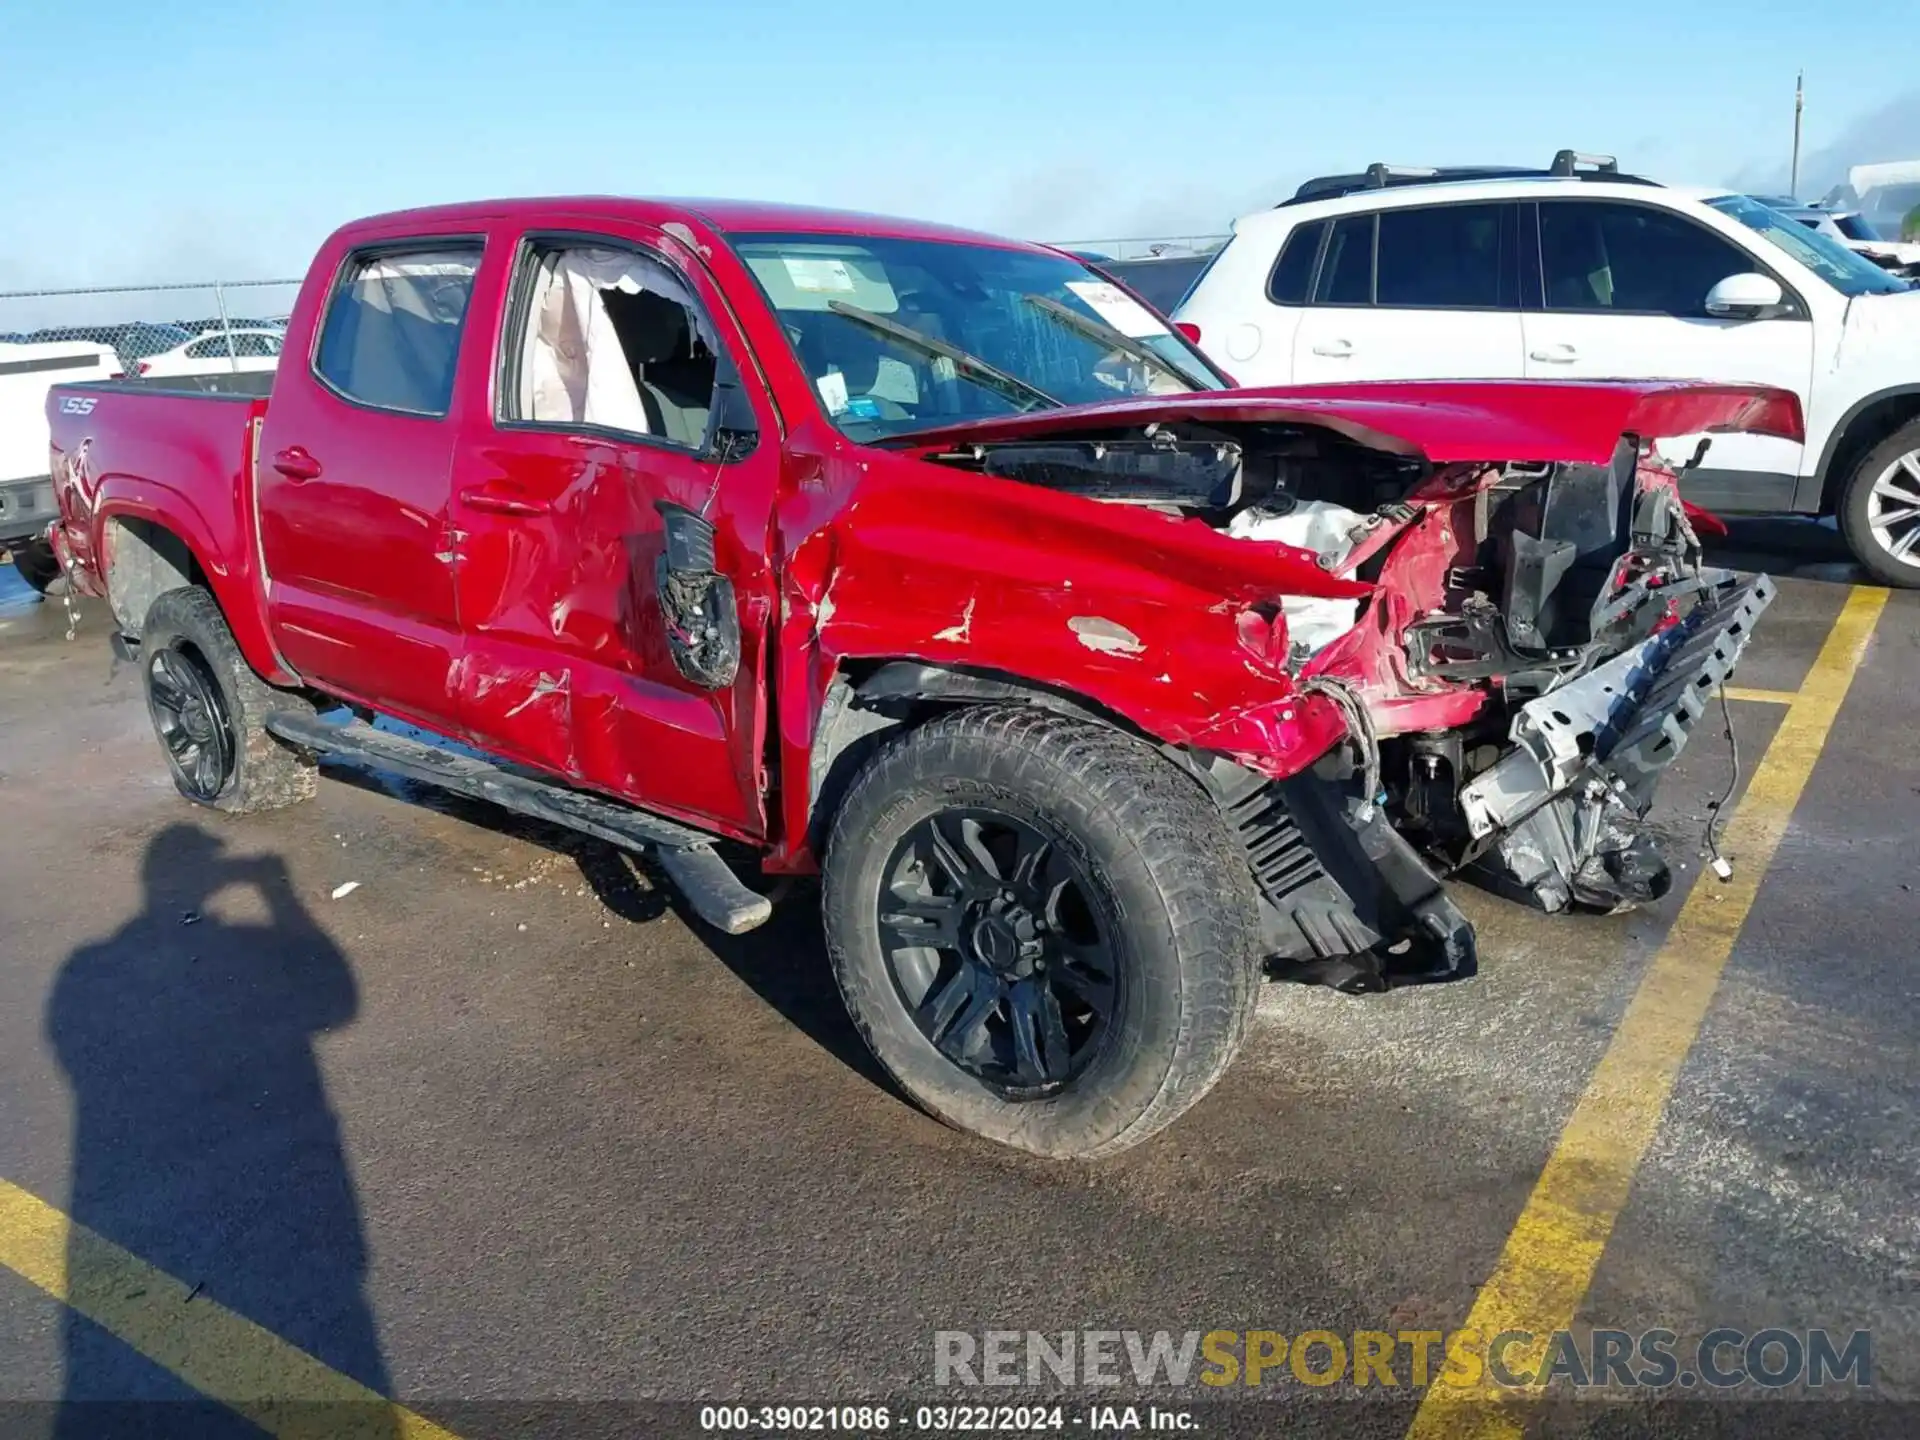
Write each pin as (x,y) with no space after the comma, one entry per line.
(711,889)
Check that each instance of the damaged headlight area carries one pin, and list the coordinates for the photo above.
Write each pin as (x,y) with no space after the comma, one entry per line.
(1539,643)
(1604,639)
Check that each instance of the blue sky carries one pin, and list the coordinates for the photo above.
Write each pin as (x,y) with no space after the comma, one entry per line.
(150,142)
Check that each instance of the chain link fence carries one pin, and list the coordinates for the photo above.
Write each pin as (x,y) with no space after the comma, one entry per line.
(160,330)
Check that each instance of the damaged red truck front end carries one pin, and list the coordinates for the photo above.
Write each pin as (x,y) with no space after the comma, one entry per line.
(1400,632)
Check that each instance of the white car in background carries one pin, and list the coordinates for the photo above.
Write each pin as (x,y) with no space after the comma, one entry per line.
(1886,193)
(1855,231)
(218,352)
(1581,272)
(27,372)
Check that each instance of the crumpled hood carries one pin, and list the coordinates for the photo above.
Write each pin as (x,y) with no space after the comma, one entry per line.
(1445,422)
(1907,252)
(1881,325)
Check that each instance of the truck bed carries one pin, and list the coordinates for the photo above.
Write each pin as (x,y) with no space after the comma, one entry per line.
(179,448)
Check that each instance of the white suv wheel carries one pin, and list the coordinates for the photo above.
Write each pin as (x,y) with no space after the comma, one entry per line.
(1893,509)
(1880,508)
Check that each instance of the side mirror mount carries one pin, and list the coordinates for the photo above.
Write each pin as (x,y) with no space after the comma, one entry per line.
(696,600)
(1747,296)
(733,427)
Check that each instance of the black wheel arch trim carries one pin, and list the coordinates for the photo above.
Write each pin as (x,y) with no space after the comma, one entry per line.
(867,700)
(1829,481)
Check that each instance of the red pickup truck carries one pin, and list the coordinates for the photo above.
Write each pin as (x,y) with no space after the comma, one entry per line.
(940,564)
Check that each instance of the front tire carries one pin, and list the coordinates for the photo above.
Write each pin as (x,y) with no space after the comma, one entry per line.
(1880,509)
(1043,929)
(209,711)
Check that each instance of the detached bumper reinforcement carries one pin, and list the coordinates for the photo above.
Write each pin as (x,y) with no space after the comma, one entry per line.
(1624,723)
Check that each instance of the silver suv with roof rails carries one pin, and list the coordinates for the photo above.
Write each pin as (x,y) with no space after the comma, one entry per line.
(1581,271)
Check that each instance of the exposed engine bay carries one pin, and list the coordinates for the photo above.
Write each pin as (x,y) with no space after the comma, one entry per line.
(1540,641)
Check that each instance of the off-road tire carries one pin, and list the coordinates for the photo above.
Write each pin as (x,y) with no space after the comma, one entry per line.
(266,774)
(37,563)
(1171,884)
(1855,508)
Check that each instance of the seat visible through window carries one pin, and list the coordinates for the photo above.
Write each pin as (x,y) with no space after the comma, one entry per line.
(671,363)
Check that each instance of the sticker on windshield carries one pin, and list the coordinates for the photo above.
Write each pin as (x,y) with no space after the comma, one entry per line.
(833,391)
(817,276)
(894,380)
(1117,308)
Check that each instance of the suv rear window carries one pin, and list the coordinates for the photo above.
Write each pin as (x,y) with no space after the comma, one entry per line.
(1293,271)
(1346,274)
(392,331)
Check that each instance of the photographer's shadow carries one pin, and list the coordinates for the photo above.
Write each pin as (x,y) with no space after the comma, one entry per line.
(204,1141)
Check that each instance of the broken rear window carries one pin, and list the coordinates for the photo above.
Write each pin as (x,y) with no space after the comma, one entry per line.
(899,335)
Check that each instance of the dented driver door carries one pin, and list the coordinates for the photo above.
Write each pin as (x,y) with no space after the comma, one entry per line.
(611,341)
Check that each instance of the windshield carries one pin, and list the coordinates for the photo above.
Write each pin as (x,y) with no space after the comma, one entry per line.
(1846,270)
(902,335)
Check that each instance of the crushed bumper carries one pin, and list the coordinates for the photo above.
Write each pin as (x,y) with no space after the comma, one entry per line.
(1557,820)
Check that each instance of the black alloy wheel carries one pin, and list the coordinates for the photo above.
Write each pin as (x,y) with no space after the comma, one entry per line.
(996,950)
(190,715)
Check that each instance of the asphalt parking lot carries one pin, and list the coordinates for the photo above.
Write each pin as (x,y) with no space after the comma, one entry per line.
(500,1134)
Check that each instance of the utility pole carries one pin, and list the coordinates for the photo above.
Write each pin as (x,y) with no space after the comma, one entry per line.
(1799,103)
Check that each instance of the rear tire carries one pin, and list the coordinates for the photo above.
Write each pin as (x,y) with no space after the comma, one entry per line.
(209,710)
(37,564)
(1136,873)
(1880,509)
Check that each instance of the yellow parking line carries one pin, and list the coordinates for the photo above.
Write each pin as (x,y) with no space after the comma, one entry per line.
(1554,1248)
(278,1386)
(1762,697)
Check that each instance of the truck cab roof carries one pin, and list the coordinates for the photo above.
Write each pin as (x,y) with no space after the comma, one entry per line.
(721,216)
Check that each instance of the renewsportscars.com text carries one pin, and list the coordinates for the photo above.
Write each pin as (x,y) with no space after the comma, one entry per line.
(1460,1359)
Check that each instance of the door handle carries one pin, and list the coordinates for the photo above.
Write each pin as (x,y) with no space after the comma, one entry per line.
(296,464)
(1554,354)
(502,502)
(1335,349)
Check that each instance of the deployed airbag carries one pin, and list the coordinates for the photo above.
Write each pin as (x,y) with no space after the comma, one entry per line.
(1329,531)
(573,368)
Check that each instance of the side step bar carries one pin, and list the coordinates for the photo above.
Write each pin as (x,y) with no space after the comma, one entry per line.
(712,890)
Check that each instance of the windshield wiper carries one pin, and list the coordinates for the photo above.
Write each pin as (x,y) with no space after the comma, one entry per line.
(1026,396)
(1102,333)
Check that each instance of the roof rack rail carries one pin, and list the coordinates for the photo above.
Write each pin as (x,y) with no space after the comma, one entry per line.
(1567,164)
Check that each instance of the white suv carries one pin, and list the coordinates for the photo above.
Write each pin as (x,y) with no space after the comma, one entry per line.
(1578,271)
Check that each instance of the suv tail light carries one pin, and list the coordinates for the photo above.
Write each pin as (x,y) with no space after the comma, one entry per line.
(141,367)
(1188,329)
